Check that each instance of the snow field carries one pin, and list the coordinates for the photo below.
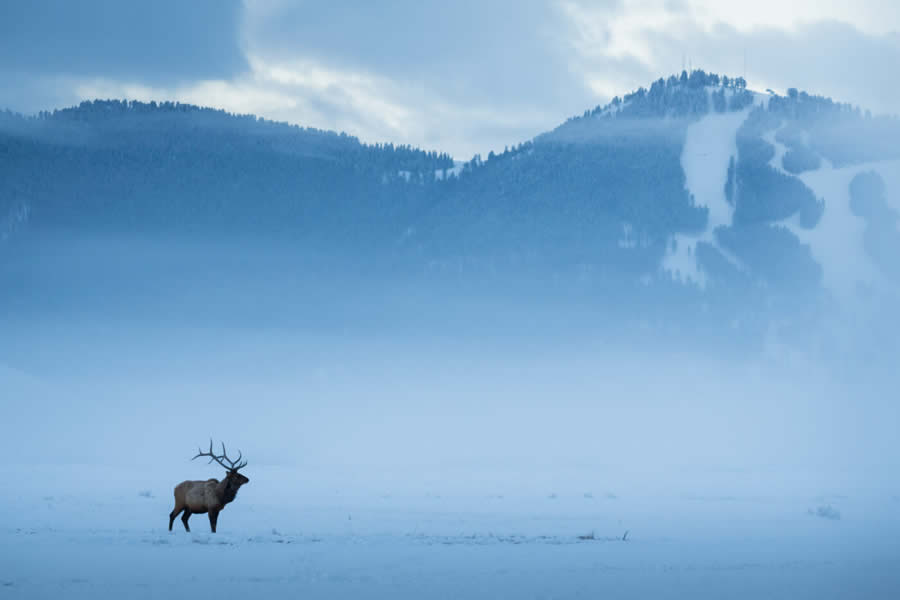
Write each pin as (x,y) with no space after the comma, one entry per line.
(449,546)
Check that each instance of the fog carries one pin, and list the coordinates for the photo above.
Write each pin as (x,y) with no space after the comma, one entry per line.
(135,362)
(637,357)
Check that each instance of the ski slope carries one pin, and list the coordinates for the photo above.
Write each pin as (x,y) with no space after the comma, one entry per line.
(836,242)
(709,145)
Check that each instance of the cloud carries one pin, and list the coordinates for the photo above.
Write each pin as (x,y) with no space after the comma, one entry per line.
(465,50)
(873,17)
(156,42)
(464,77)
(372,107)
(829,58)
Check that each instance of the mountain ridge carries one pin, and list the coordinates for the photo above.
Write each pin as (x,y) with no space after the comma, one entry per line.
(690,194)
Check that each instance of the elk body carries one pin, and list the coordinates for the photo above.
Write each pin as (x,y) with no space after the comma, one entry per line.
(208,496)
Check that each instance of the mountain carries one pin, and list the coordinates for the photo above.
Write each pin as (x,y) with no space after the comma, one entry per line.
(696,206)
(129,166)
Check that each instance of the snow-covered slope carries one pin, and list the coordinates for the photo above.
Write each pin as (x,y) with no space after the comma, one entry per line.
(837,240)
(709,146)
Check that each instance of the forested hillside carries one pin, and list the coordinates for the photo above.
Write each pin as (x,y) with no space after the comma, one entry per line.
(694,203)
(131,166)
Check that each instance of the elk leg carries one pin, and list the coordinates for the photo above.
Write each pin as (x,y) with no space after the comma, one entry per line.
(174,514)
(213,517)
(184,519)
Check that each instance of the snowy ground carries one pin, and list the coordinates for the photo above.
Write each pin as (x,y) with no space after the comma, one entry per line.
(438,471)
(739,542)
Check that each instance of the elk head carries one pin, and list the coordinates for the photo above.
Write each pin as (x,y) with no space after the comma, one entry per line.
(233,479)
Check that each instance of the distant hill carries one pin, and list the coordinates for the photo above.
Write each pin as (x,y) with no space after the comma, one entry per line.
(131,166)
(694,203)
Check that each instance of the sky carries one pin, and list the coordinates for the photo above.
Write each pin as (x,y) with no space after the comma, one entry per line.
(463,77)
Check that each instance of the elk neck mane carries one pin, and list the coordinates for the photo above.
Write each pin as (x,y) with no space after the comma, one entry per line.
(228,487)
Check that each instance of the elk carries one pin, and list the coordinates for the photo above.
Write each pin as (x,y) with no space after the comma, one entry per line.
(208,496)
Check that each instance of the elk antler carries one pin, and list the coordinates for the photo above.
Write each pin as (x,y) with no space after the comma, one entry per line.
(233,465)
